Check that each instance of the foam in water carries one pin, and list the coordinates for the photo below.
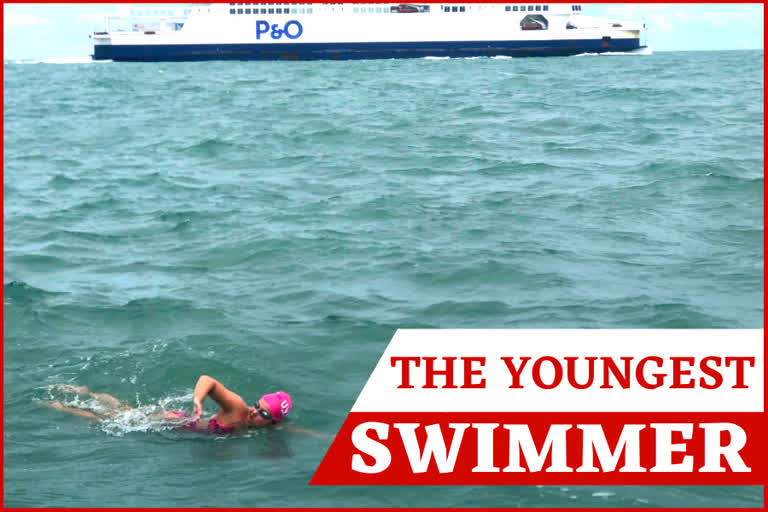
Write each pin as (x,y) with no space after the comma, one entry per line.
(62,60)
(640,51)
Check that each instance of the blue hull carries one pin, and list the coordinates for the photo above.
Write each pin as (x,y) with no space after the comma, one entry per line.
(347,51)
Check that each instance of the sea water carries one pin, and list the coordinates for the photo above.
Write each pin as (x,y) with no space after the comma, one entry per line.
(272,224)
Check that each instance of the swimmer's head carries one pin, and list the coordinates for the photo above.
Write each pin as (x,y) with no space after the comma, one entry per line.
(270,409)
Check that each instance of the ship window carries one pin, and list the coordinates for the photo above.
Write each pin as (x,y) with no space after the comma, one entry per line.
(514,8)
(546,7)
(538,7)
(239,11)
(462,9)
(293,11)
(170,13)
(301,10)
(271,11)
(247,11)
(530,7)
(534,22)
(231,11)
(454,9)
(309,10)
(263,10)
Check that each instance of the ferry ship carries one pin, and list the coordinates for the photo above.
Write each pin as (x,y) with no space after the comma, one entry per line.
(243,31)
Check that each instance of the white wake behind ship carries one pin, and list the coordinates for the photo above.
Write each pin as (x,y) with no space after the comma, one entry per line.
(243,31)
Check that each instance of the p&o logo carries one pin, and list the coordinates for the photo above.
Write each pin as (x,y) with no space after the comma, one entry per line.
(291,29)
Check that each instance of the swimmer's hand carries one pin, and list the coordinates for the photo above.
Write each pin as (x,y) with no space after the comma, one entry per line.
(198,409)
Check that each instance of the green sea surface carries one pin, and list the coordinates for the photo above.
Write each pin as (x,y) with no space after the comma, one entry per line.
(272,224)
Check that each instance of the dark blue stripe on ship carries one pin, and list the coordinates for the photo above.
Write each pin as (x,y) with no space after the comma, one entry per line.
(345,51)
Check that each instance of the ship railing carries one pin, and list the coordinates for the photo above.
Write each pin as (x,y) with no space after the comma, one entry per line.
(118,23)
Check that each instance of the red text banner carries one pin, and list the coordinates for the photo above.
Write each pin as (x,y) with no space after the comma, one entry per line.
(506,407)
(546,448)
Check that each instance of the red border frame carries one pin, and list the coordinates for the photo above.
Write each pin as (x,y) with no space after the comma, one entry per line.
(765,195)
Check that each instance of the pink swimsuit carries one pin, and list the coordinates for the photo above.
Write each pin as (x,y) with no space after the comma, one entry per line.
(214,425)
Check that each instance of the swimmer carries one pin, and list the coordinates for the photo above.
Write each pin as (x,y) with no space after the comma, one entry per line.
(234,414)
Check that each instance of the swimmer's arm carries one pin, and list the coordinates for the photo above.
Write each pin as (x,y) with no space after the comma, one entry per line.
(227,400)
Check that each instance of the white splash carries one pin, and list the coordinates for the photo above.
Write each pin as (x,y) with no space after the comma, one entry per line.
(123,419)
(142,419)
(640,51)
(62,60)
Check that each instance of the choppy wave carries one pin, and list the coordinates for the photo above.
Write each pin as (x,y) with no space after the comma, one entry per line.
(19,291)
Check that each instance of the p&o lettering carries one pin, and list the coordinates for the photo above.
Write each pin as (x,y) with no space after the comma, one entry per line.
(291,30)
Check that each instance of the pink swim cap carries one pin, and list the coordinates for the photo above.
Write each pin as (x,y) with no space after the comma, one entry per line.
(279,403)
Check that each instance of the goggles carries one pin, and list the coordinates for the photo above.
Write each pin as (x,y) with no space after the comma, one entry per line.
(263,413)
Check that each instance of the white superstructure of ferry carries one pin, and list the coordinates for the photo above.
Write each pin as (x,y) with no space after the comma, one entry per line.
(249,31)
